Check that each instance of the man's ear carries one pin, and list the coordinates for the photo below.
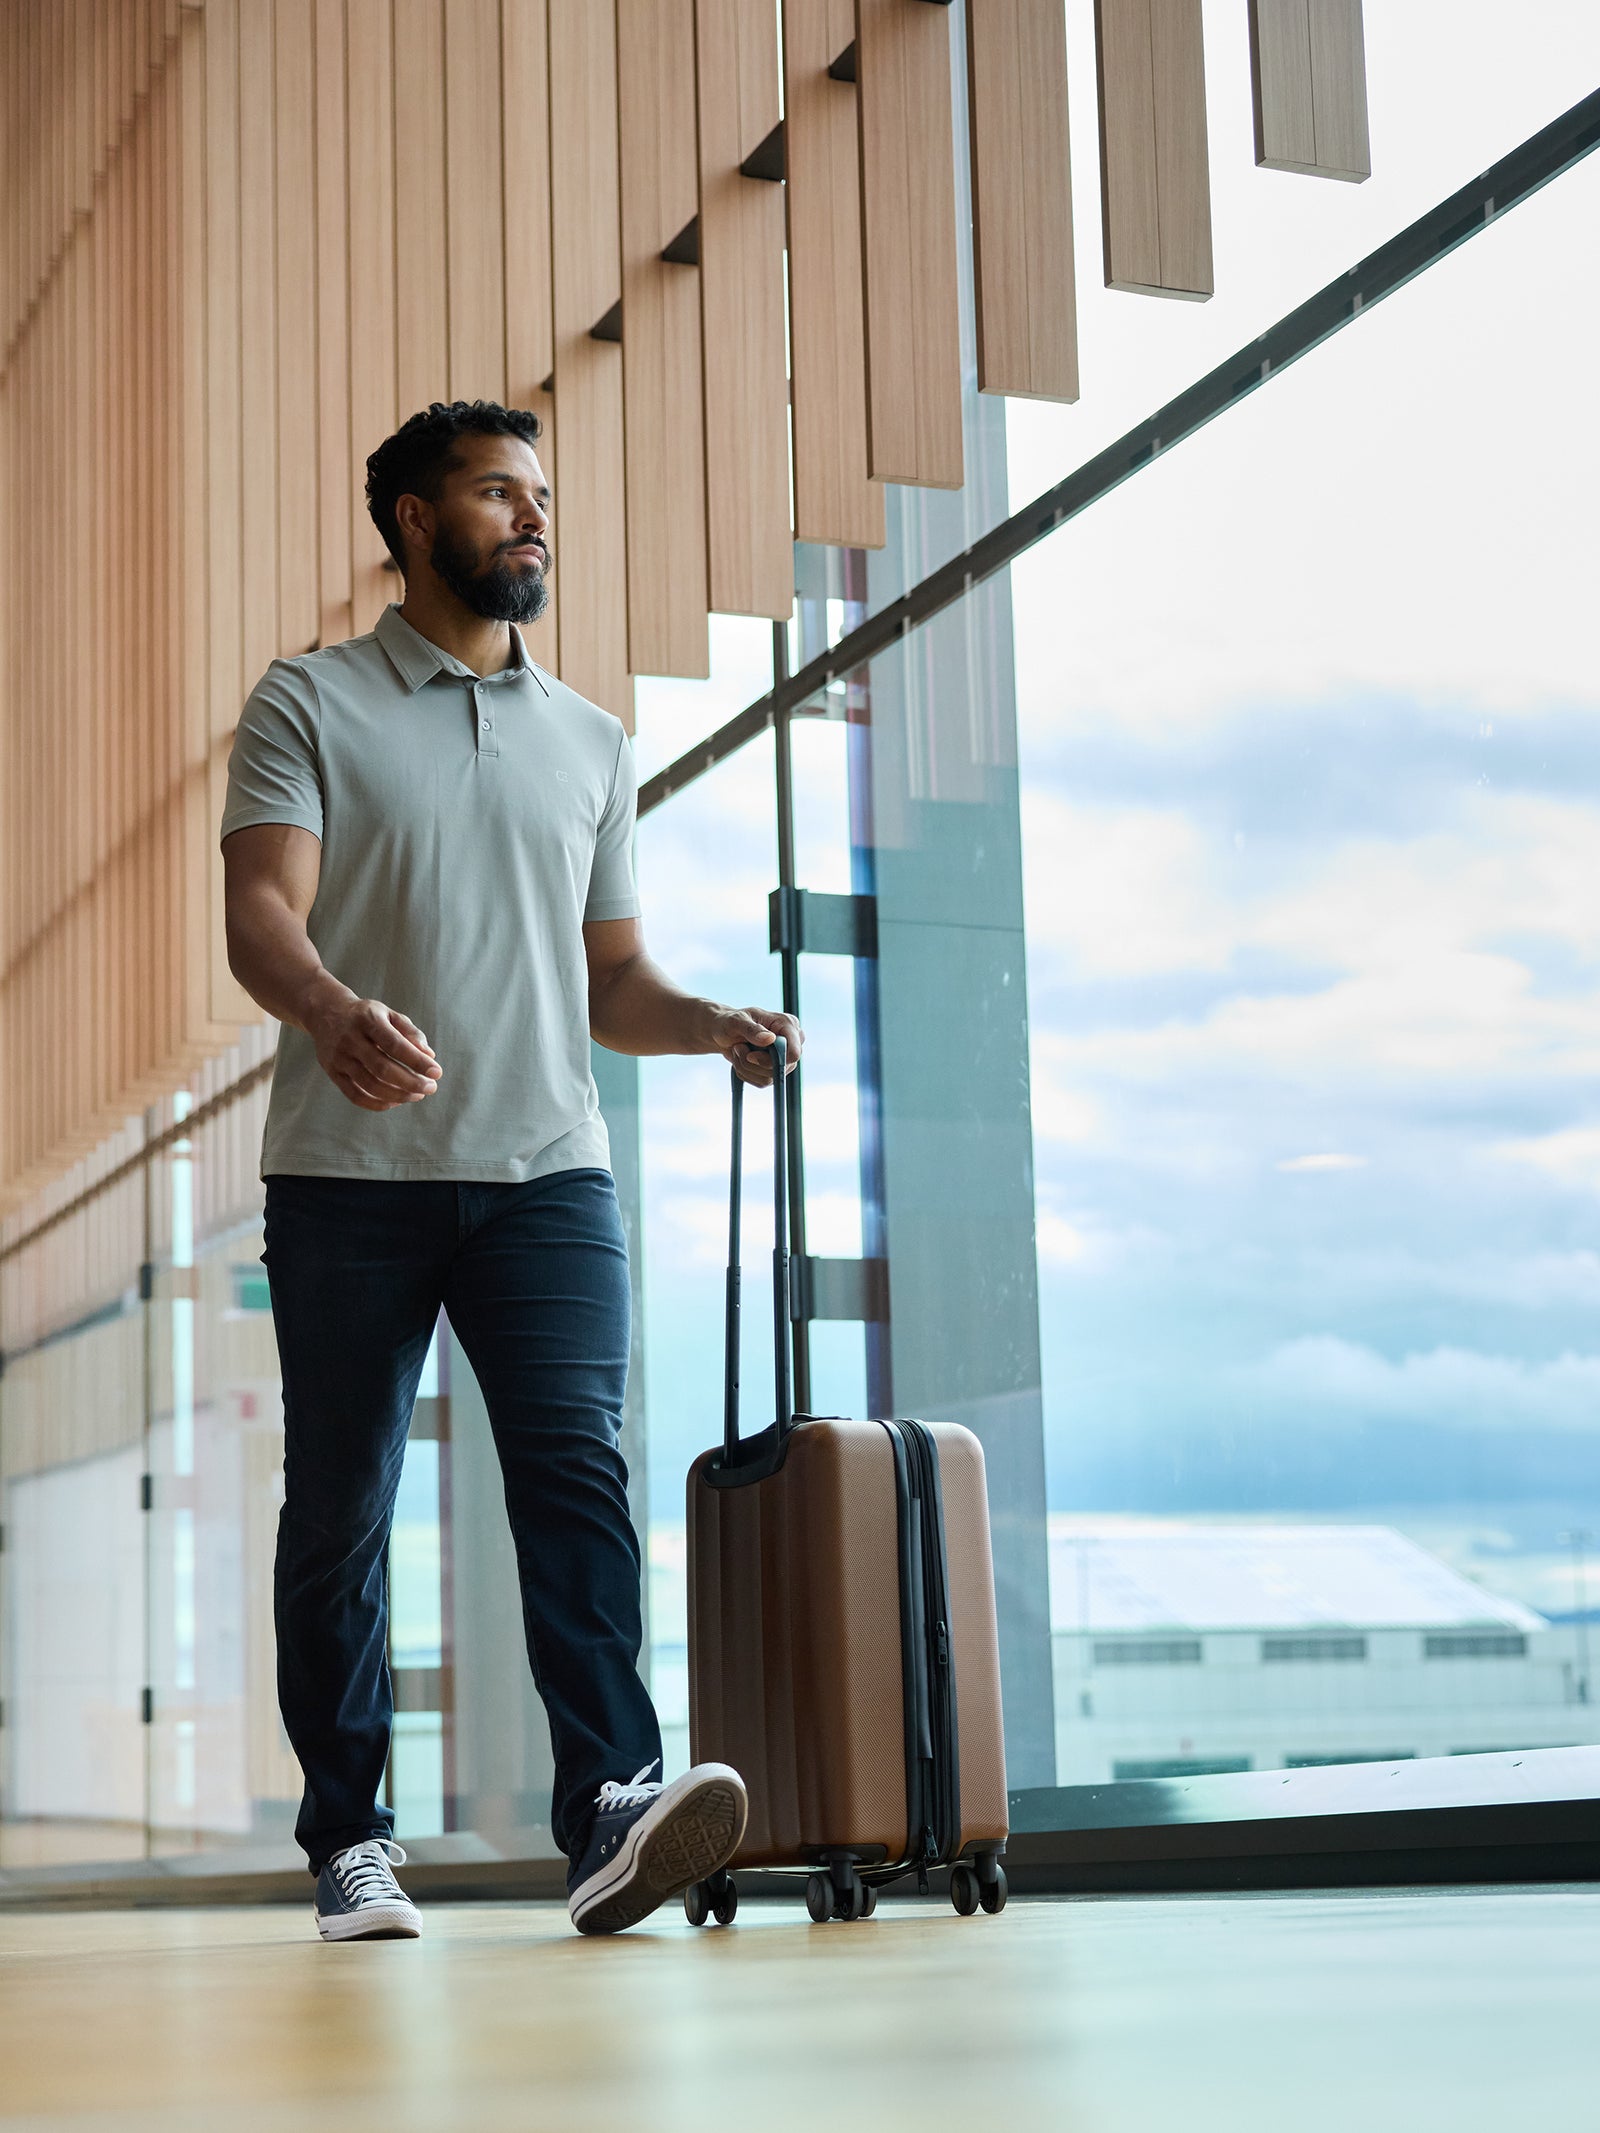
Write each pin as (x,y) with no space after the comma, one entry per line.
(414,515)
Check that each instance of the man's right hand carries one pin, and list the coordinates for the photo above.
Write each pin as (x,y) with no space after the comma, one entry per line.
(373,1054)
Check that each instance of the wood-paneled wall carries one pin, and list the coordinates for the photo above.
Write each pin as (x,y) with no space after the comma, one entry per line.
(241,239)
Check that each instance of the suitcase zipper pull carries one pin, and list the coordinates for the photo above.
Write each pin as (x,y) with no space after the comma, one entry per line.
(943,1646)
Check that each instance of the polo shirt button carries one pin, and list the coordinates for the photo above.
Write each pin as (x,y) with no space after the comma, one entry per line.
(483,724)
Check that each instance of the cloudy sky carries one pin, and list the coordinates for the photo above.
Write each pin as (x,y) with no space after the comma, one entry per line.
(1310,748)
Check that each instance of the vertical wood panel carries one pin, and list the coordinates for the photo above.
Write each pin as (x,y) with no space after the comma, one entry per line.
(373,336)
(475,200)
(589,554)
(1339,90)
(1280,84)
(530,350)
(749,546)
(663,412)
(299,592)
(224,470)
(1155,187)
(1309,87)
(333,327)
(908,241)
(258,338)
(835,500)
(421,293)
(1022,198)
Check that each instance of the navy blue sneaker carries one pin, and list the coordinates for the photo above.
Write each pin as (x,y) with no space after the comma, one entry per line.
(358,1897)
(650,1842)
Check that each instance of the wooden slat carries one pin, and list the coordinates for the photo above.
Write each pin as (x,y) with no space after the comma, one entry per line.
(295,251)
(1022,198)
(421,295)
(835,500)
(1339,90)
(589,554)
(530,350)
(908,232)
(475,199)
(1309,83)
(1155,191)
(749,545)
(333,327)
(663,413)
(197,830)
(224,473)
(258,338)
(373,354)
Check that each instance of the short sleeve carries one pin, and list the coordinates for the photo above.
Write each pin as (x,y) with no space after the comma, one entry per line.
(611,890)
(273,773)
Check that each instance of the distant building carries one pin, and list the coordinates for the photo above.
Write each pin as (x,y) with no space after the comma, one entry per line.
(1183,1650)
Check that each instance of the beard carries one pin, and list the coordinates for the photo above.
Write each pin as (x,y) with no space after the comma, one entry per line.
(502,592)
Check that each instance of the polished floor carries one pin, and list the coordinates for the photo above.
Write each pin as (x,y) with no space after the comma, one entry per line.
(1459,2010)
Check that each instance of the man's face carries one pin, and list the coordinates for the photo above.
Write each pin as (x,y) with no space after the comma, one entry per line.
(491,543)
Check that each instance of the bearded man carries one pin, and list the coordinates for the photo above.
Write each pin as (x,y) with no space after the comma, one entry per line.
(428,848)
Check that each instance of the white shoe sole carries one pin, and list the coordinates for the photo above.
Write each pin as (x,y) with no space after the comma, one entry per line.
(690,1831)
(373,1921)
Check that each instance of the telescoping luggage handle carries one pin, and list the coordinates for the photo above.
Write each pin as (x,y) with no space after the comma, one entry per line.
(780,1262)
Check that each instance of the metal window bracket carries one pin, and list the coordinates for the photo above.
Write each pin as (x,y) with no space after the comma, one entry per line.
(767,159)
(853,1289)
(811,923)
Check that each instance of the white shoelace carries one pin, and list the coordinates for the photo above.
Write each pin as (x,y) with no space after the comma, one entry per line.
(634,1794)
(364,1871)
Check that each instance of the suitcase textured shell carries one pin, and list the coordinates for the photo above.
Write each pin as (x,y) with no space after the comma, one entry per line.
(795,1671)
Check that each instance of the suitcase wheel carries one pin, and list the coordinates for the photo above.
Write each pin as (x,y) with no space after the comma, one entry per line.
(839,1892)
(982,1883)
(716,1898)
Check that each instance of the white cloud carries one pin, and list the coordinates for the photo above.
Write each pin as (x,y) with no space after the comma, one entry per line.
(1571,1157)
(1328,1377)
(1322,1162)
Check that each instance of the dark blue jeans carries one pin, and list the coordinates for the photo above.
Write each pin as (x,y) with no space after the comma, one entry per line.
(534,1279)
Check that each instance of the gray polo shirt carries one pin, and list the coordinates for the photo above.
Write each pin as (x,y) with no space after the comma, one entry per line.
(469,826)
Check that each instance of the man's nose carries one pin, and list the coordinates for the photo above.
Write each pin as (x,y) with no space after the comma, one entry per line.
(533,516)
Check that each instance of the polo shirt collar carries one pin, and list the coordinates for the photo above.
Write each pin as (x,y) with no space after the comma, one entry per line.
(416,659)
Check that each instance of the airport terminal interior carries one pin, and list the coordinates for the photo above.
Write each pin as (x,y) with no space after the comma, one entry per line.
(1084,513)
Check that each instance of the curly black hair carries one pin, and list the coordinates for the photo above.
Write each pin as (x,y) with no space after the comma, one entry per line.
(422,451)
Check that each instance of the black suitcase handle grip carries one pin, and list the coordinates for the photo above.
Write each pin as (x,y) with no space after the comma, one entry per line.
(780,1261)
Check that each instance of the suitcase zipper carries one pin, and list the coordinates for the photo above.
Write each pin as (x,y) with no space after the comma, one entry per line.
(933,1785)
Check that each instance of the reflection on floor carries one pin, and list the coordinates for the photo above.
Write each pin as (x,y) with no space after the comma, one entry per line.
(1317,2014)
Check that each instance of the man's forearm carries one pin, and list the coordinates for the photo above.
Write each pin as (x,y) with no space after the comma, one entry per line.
(275,960)
(639,1011)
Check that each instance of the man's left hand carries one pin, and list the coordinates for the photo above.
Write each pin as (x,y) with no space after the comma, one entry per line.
(744,1036)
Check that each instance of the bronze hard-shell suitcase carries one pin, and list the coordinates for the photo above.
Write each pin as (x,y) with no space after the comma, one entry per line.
(843,1653)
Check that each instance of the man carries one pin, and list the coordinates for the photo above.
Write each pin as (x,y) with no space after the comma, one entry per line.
(427,843)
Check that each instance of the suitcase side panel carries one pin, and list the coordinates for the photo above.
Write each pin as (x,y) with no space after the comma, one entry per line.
(856,1696)
(794,1644)
(974,1636)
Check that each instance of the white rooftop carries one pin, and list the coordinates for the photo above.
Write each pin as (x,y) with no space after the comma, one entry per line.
(1132,1574)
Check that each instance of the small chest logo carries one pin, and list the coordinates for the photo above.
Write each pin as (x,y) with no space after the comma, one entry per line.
(561,777)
